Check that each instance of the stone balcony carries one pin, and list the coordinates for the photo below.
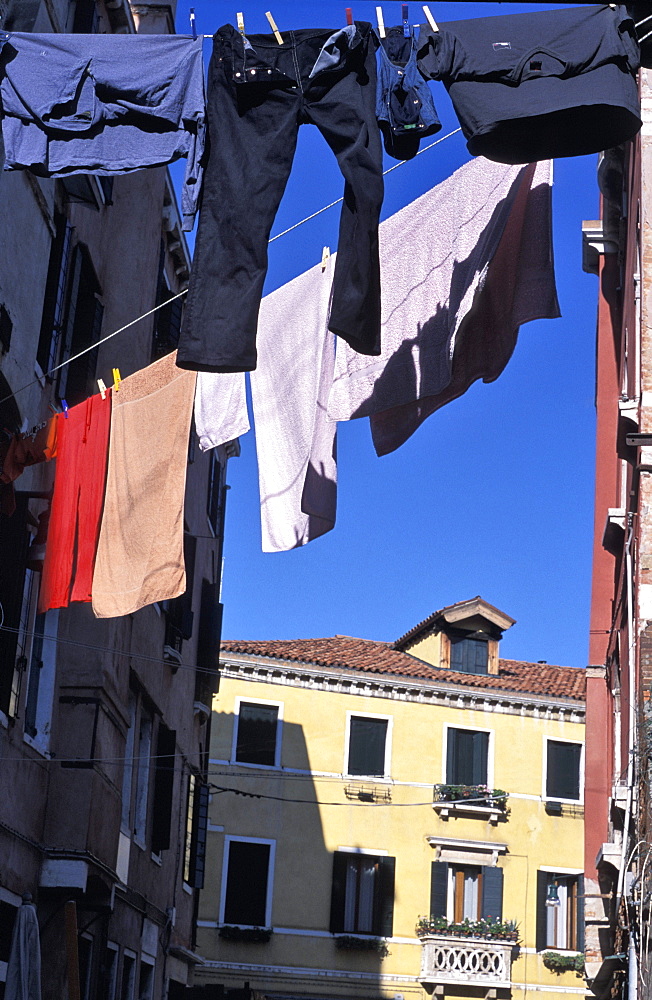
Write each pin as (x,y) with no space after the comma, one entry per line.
(464,961)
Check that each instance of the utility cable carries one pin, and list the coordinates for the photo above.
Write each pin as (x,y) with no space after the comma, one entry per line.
(179,295)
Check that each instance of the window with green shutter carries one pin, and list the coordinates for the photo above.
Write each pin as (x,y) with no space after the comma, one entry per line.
(367,746)
(466,757)
(563,761)
(362,897)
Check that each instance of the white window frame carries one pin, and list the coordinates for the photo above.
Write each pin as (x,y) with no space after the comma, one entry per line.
(133,957)
(279,732)
(547,738)
(151,964)
(85,988)
(389,719)
(270,875)
(113,984)
(490,749)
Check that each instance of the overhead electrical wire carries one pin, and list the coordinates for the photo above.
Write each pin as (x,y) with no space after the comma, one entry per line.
(180,294)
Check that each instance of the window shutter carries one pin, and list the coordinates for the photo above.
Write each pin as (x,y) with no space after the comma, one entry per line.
(438,888)
(451,757)
(163,788)
(180,613)
(200,817)
(542,913)
(208,642)
(14,542)
(580,913)
(563,771)
(492,892)
(338,892)
(384,897)
(367,739)
(480,753)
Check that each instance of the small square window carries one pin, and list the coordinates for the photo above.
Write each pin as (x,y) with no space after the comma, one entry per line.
(257,732)
(469,655)
(367,746)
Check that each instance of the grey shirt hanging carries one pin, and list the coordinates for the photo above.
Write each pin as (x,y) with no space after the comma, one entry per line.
(530,87)
(103,104)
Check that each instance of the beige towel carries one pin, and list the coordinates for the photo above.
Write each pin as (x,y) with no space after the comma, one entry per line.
(140,551)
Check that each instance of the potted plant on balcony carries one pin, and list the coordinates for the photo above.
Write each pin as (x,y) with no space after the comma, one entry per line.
(351,942)
(250,935)
(476,795)
(487,928)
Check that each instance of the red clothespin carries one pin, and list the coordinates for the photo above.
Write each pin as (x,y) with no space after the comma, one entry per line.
(101,386)
(64,407)
(349,15)
(406,23)
(116,380)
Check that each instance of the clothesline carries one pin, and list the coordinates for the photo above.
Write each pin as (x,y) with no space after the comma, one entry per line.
(179,295)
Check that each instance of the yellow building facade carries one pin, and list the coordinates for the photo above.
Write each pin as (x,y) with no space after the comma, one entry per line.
(395,821)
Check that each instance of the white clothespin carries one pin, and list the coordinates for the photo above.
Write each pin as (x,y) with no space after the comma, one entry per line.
(272,24)
(325,254)
(193,25)
(430,19)
(116,379)
(101,386)
(381,23)
(240,21)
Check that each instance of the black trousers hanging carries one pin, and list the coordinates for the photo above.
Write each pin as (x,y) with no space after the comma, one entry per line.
(259,92)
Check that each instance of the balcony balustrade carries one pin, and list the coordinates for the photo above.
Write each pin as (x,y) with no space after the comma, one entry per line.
(466,961)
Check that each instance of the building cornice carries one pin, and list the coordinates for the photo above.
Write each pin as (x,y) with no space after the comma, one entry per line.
(412,689)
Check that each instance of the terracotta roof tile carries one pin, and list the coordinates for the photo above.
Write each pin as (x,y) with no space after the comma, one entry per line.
(373,657)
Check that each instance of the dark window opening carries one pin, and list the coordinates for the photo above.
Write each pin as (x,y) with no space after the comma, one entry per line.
(246,883)
(86,19)
(56,295)
(179,616)
(82,329)
(466,758)
(163,788)
(563,770)
(6,327)
(362,900)
(257,734)
(14,542)
(367,744)
(194,863)
(7,918)
(214,499)
(167,320)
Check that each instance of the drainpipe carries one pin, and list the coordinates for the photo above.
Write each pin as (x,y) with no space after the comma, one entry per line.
(631,662)
(632,970)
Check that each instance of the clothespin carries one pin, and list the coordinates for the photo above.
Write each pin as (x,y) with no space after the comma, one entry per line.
(430,19)
(381,23)
(240,22)
(325,254)
(102,388)
(116,380)
(349,16)
(193,26)
(272,24)
(406,24)
(64,407)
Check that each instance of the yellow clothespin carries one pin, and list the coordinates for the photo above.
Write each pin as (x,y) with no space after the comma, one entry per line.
(272,24)
(430,19)
(102,388)
(325,254)
(116,379)
(381,23)
(240,20)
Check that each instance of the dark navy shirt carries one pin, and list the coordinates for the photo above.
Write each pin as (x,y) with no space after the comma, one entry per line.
(532,86)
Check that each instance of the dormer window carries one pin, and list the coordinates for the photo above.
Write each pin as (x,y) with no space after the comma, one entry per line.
(470,653)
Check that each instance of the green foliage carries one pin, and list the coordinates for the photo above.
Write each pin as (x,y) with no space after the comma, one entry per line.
(254,935)
(349,942)
(563,963)
(489,928)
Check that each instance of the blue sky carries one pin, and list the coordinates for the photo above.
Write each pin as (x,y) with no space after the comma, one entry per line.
(494,494)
